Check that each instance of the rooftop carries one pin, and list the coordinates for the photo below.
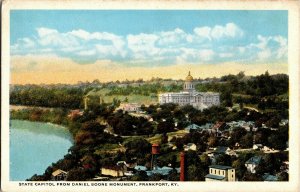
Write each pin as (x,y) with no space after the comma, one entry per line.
(268,177)
(254,160)
(220,167)
(218,177)
(57,172)
(162,170)
(221,149)
(140,168)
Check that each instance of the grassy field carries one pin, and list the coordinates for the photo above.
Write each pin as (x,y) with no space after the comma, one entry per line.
(111,148)
(133,98)
(157,137)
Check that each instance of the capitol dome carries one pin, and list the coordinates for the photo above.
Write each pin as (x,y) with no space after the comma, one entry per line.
(189,77)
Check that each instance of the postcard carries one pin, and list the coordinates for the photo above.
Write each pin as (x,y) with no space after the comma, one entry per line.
(145,96)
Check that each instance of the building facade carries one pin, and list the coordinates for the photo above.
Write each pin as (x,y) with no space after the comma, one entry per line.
(59,175)
(189,96)
(220,173)
(252,163)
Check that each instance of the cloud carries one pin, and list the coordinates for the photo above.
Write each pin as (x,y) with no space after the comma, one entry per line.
(270,47)
(204,44)
(230,30)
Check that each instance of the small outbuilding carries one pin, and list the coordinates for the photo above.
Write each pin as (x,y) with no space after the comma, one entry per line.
(59,175)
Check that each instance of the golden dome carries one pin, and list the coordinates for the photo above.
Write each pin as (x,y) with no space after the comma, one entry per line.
(189,77)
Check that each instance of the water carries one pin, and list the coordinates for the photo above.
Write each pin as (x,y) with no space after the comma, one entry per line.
(34,146)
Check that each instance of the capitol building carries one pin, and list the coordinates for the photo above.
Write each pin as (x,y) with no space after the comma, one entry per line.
(189,96)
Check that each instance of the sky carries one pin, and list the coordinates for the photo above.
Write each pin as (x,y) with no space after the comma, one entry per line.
(67,46)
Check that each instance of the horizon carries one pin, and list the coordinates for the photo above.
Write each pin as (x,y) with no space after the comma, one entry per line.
(149,80)
(65,46)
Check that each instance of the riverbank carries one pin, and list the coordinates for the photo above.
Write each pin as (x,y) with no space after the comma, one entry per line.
(20,107)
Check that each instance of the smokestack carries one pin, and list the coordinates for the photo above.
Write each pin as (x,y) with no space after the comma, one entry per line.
(182,166)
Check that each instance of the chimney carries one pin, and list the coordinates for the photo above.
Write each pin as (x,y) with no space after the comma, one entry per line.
(182,166)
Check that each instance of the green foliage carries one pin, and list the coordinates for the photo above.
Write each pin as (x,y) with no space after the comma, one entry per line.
(125,124)
(144,89)
(46,97)
(140,176)
(78,174)
(240,168)
(137,147)
(283,176)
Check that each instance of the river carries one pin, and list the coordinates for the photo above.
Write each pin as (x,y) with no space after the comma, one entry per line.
(34,146)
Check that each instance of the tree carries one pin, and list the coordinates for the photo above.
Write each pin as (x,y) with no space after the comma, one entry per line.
(237,134)
(164,138)
(226,98)
(212,141)
(140,176)
(223,159)
(205,160)
(78,174)
(173,175)
(276,141)
(283,176)
(240,168)
(165,126)
(137,147)
(251,177)
(247,140)
(156,177)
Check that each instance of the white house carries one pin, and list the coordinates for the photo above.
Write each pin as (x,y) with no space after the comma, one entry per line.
(220,173)
(59,175)
(190,146)
(130,107)
(252,163)
(257,146)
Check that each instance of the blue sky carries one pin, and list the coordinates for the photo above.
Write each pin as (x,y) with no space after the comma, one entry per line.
(148,38)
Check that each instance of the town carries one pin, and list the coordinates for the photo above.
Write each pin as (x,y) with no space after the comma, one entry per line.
(232,128)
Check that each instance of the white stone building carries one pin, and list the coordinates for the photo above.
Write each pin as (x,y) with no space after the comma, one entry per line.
(220,173)
(189,96)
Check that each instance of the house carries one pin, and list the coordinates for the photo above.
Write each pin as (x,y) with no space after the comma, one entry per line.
(218,128)
(285,166)
(284,122)
(190,146)
(257,146)
(130,107)
(192,127)
(225,150)
(162,171)
(114,171)
(75,113)
(220,173)
(269,177)
(59,175)
(252,163)
(266,149)
(220,125)
(232,153)
(140,168)
(249,125)
(221,150)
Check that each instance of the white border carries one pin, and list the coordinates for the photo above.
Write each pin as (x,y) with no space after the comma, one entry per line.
(293,59)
